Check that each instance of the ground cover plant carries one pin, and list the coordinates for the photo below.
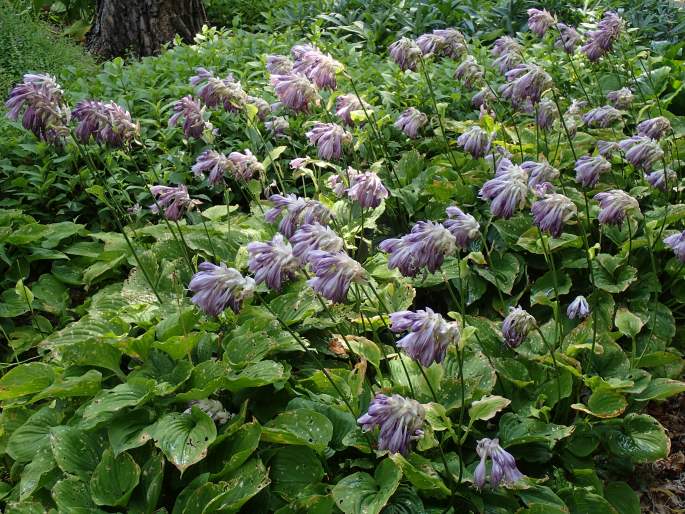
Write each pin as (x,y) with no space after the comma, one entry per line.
(305,273)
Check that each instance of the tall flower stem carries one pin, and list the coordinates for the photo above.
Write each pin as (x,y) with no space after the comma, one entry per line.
(550,349)
(573,66)
(550,260)
(653,265)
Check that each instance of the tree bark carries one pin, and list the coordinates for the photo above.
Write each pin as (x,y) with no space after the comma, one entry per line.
(141,27)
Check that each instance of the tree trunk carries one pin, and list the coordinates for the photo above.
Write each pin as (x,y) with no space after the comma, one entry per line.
(141,27)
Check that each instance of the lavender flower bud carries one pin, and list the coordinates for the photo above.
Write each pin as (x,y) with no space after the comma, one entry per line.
(215,91)
(192,113)
(602,117)
(462,226)
(539,172)
(411,121)
(676,242)
(345,105)
(607,148)
(469,72)
(641,152)
(516,326)
(272,262)
(526,82)
(334,274)
(661,179)
(621,99)
(568,39)
(278,64)
(552,212)
(278,125)
(475,141)
(218,287)
(429,334)
(506,191)
(615,205)
(174,200)
(367,189)
(654,128)
(508,52)
(329,139)
(314,237)
(503,464)
(539,21)
(399,419)
(213,162)
(318,67)
(298,212)
(425,246)
(245,165)
(578,308)
(107,122)
(295,91)
(601,41)
(547,113)
(588,169)
(405,53)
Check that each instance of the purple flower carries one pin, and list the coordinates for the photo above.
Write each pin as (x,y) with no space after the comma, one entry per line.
(641,152)
(501,157)
(507,191)
(469,72)
(654,128)
(218,287)
(539,172)
(475,141)
(425,246)
(213,162)
(483,98)
(601,41)
(405,53)
(107,122)
(552,212)
(588,169)
(503,464)
(329,139)
(272,262)
(410,122)
(263,107)
(45,112)
(215,91)
(298,212)
(245,165)
(621,99)
(318,67)
(607,148)
(660,179)
(508,52)
(676,242)
(602,116)
(568,40)
(345,105)
(312,237)
(429,334)
(277,125)
(547,113)
(174,200)
(615,205)
(526,82)
(334,271)
(430,43)
(462,226)
(338,183)
(299,162)
(516,326)
(278,64)
(578,308)
(539,21)
(399,419)
(192,112)
(445,42)
(295,91)
(367,189)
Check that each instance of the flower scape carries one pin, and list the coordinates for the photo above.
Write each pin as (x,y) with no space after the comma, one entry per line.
(465,300)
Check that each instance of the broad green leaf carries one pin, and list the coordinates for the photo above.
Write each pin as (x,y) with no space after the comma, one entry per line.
(603,403)
(300,427)
(543,289)
(361,493)
(89,353)
(487,407)
(146,495)
(178,347)
(258,375)
(293,468)
(611,274)
(205,379)
(365,348)
(34,473)
(128,430)
(479,379)
(114,479)
(622,497)
(229,454)
(581,501)
(628,323)
(501,272)
(87,384)
(113,400)
(72,495)
(34,435)
(26,379)
(420,472)
(660,389)
(640,439)
(24,292)
(515,430)
(77,451)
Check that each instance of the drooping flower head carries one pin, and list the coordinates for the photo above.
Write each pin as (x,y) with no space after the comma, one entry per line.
(399,419)
(45,112)
(654,128)
(192,113)
(213,162)
(539,21)
(547,114)
(245,165)
(345,105)
(607,148)
(662,179)
(339,183)
(508,52)
(483,98)
(298,212)
(462,226)
(506,191)
(425,246)
(429,334)
(615,205)
(174,200)
(676,242)
(552,212)
(539,172)
(469,72)
(516,326)
(367,189)
(526,82)
(601,41)
(588,169)
(317,66)
(405,53)
(411,121)
(272,262)
(312,237)
(278,125)
(503,464)
(278,64)
(578,308)
(443,42)
(218,287)
(329,139)
(334,272)
(602,116)
(568,39)
(106,122)
(295,91)
(263,107)
(215,91)
(641,152)
(475,141)
(621,98)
